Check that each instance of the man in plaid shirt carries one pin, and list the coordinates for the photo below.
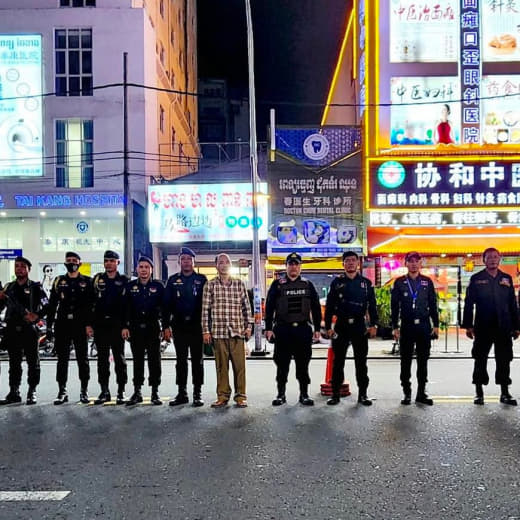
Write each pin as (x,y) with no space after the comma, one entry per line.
(226,320)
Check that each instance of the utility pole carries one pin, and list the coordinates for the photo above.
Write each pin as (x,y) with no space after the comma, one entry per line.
(128,257)
(253,155)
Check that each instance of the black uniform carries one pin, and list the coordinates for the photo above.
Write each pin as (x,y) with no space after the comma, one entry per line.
(495,320)
(350,300)
(20,336)
(108,316)
(290,304)
(183,309)
(70,308)
(143,317)
(414,303)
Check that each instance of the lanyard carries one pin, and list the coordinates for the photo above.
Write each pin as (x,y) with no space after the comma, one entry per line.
(413,292)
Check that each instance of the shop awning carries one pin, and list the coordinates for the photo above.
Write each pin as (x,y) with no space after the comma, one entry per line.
(447,243)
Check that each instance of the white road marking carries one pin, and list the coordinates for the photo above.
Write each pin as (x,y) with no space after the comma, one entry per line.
(20,496)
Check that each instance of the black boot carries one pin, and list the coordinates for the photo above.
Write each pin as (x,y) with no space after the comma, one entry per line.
(13,396)
(505,396)
(62,396)
(363,399)
(280,398)
(334,399)
(181,397)
(104,396)
(137,397)
(479,395)
(407,397)
(154,398)
(197,398)
(120,394)
(31,395)
(422,396)
(83,395)
(304,396)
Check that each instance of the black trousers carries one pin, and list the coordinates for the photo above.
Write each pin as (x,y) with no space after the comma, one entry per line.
(67,332)
(292,342)
(108,336)
(20,340)
(503,342)
(418,335)
(146,341)
(189,341)
(359,341)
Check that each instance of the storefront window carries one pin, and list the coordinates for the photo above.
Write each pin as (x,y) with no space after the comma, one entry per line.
(12,233)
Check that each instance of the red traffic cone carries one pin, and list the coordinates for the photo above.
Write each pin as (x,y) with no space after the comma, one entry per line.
(326,387)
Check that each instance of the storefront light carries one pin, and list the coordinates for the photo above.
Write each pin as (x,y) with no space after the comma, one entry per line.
(82,213)
(43,213)
(121,213)
(3,214)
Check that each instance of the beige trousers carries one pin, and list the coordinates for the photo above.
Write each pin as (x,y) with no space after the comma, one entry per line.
(230,349)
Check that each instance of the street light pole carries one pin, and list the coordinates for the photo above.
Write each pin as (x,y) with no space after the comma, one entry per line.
(253,156)
(126,191)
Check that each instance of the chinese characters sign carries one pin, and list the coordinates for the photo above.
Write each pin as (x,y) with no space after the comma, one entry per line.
(470,73)
(501,30)
(205,212)
(500,109)
(423,31)
(456,184)
(438,118)
(21,144)
(430,193)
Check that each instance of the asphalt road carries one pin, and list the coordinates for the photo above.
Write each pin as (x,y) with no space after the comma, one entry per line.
(452,460)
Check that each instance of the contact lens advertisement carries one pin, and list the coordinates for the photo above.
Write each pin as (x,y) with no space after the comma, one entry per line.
(21,144)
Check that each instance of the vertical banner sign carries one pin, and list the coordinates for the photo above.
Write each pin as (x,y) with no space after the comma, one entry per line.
(470,70)
(21,144)
(362,59)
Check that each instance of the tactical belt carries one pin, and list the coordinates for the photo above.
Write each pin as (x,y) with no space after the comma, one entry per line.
(293,323)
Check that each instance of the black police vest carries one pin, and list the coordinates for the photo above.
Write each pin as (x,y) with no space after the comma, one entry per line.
(294,302)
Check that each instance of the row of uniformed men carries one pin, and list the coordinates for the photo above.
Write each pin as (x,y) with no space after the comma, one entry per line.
(115,309)
(490,318)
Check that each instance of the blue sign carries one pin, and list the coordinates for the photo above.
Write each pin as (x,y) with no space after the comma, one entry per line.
(82,226)
(470,71)
(10,254)
(59,200)
(318,146)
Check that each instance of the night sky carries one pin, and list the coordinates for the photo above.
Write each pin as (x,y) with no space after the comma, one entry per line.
(296,47)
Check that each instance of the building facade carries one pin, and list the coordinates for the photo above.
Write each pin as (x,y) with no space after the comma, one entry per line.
(436,88)
(62,146)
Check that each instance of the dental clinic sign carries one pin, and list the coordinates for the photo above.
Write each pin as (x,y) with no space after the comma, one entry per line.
(21,144)
(454,192)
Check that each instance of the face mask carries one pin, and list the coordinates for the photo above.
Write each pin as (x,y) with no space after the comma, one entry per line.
(71,268)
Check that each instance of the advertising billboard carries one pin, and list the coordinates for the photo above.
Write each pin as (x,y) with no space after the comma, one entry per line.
(424,192)
(438,121)
(180,213)
(21,143)
(500,30)
(318,214)
(501,109)
(425,31)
